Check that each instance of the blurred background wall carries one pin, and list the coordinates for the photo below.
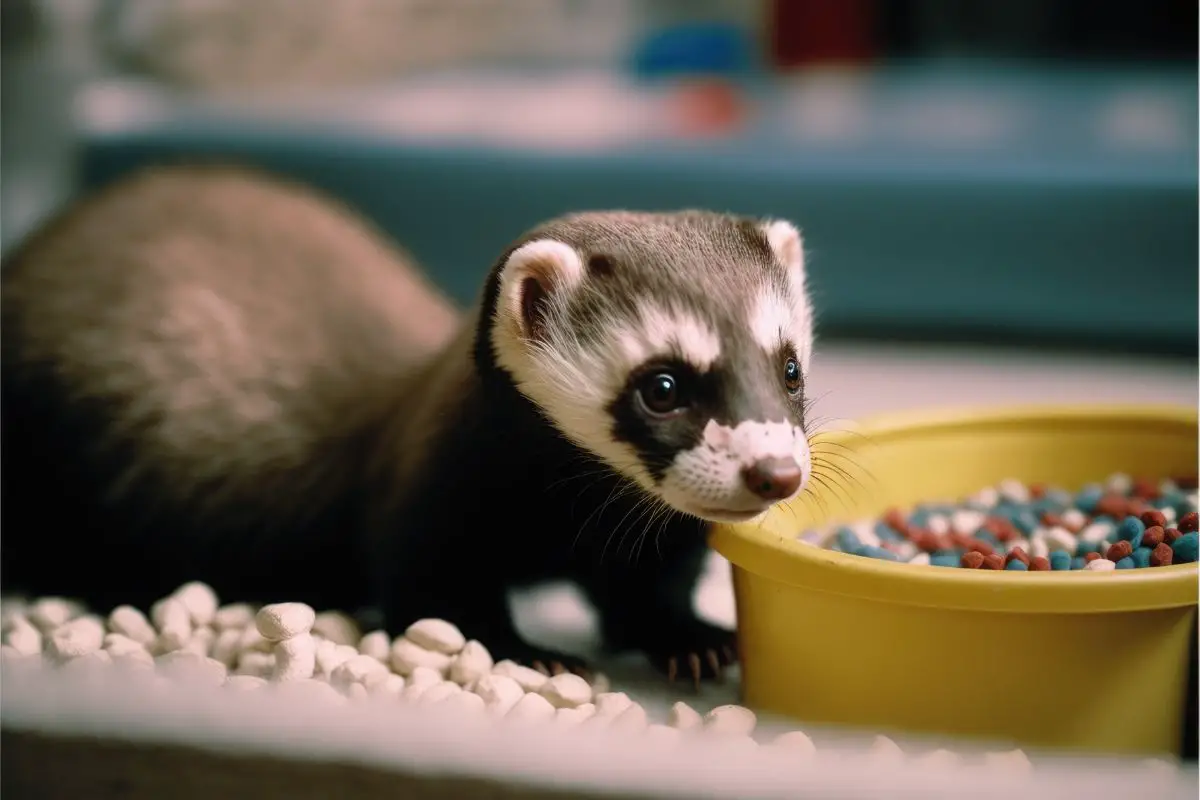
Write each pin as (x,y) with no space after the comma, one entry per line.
(1013,171)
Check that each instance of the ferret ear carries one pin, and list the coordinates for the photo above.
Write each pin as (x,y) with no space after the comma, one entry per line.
(531,276)
(787,245)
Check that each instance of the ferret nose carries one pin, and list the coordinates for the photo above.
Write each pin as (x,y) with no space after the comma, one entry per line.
(773,478)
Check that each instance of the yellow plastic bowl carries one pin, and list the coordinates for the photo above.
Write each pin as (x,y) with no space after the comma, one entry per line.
(1078,660)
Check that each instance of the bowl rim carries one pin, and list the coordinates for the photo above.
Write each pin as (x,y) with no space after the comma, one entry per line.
(760,549)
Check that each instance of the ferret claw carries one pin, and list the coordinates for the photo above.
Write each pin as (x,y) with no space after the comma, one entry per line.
(714,662)
(694,664)
(540,667)
(557,668)
(672,669)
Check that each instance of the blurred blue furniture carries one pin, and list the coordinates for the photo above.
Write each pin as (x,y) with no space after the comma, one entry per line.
(992,205)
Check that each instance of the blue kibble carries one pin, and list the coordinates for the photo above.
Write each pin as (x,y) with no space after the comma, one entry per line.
(1105,519)
(954,553)
(1061,498)
(989,537)
(881,553)
(848,541)
(1131,530)
(1083,548)
(1026,521)
(920,518)
(1060,560)
(1185,548)
(887,533)
(1045,505)
(1088,497)
(1126,563)
(1017,565)
(1078,563)
(1141,557)
(945,560)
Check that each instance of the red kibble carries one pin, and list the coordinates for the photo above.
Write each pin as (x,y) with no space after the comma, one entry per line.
(1037,490)
(895,519)
(1170,535)
(993,561)
(1189,522)
(1051,520)
(1161,555)
(1119,550)
(1112,505)
(1188,483)
(960,540)
(1153,536)
(924,540)
(1136,507)
(972,560)
(1001,528)
(1144,488)
(1039,564)
(1090,557)
(1017,554)
(980,546)
(1154,517)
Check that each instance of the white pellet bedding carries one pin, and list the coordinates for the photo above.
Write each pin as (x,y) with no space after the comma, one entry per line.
(284,701)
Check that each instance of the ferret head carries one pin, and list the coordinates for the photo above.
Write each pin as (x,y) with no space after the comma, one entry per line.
(672,347)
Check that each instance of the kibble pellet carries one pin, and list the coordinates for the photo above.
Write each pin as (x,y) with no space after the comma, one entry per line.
(1127,522)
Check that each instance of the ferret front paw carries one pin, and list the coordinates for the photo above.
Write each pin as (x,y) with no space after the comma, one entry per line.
(548,662)
(693,649)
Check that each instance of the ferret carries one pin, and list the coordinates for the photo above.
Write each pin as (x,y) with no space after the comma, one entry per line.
(209,375)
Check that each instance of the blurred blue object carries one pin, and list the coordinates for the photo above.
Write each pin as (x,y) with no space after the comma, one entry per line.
(1014,205)
(695,49)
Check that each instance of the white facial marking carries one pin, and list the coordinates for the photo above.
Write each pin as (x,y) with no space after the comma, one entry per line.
(697,343)
(788,247)
(770,319)
(707,479)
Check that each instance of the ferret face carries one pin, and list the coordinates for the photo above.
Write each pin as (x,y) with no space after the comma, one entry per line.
(673,347)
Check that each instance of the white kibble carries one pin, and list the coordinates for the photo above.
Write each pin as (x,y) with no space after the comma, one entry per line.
(601,683)
(1168,514)
(174,624)
(1073,519)
(129,621)
(376,644)
(1013,490)
(201,641)
(280,621)
(865,531)
(359,669)
(245,682)
(797,742)
(884,749)
(1038,547)
(920,559)
(499,692)
(738,742)
(1095,533)
(392,685)
(610,704)
(118,644)
(466,702)
(632,718)
(1119,482)
(662,733)
(531,707)
(331,655)
(940,759)
(425,676)
(939,524)
(11,655)
(91,661)
(76,638)
(437,635)
(189,666)
(251,639)
(530,679)
(576,715)
(407,655)
(967,521)
(730,719)
(355,691)
(309,688)
(234,615)
(986,497)
(1009,760)
(336,627)
(225,646)
(472,663)
(132,659)
(23,636)
(1101,565)
(439,692)
(256,662)
(566,691)
(1059,538)
(200,601)
(684,717)
(49,613)
(295,658)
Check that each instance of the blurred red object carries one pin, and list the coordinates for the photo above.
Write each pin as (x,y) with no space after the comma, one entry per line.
(812,32)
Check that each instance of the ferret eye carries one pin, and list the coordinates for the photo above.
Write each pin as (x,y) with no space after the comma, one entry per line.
(791,375)
(661,393)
